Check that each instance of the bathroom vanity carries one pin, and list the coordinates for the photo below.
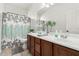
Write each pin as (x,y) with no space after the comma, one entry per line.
(49,46)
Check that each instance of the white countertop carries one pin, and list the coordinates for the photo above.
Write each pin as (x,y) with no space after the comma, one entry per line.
(71,41)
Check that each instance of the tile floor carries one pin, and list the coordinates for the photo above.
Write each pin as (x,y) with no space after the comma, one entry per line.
(8,52)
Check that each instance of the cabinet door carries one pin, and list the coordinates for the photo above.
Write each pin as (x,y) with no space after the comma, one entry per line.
(28,42)
(37,47)
(46,48)
(32,45)
(59,51)
(63,51)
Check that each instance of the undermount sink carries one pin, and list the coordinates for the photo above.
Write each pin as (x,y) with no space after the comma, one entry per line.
(41,33)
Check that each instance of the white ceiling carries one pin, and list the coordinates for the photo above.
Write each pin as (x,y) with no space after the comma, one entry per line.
(28,6)
(20,5)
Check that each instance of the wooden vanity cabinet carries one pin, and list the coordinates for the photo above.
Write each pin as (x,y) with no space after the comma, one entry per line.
(40,47)
(46,48)
(64,51)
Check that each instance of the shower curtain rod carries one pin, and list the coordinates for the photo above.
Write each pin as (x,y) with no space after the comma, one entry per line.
(16,14)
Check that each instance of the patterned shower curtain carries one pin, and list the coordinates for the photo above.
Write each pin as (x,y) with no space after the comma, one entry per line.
(19,28)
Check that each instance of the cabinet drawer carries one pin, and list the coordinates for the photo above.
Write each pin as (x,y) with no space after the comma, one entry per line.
(37,48)
(37,40)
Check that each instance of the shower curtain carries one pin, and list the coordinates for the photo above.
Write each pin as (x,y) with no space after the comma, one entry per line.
(15,26)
